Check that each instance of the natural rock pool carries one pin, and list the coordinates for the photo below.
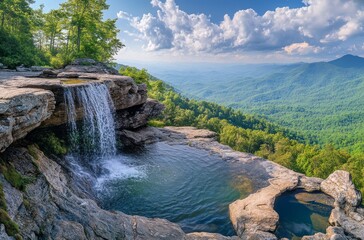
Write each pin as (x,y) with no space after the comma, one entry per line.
(185,185)
(302,214)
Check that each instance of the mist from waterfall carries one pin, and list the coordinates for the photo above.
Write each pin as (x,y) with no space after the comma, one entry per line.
(94,135)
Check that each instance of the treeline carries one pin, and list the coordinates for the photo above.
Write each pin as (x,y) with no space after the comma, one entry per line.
(76,30)
(250,134)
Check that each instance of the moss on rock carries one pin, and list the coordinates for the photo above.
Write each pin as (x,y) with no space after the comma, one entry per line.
(13,177)
(11,227)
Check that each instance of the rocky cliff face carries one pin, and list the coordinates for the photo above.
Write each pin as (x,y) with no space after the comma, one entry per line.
(27,103)
(123,90)
(21,111)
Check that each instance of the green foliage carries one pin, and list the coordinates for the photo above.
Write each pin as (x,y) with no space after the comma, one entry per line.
(76,30)
(16,42)
(13,177)
(11,227)
(2,198)
(322,101)
(139,76)
(156,123)
(33,151)
(253,134)
(49,143)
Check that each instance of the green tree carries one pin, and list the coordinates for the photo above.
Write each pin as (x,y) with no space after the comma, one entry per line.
(87,34)
(16,38)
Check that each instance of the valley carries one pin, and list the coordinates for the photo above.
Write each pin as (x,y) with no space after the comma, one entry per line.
(321,101)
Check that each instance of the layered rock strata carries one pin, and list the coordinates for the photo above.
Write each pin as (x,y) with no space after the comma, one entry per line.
(21,111)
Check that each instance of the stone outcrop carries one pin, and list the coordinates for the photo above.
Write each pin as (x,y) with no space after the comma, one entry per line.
(347,214)
(123,90)
(208,236)
(254,216)
(340,186)
(86,65)
(21,111)
(136,117)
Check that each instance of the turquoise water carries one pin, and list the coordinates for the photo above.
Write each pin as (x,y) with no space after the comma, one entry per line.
(302,214)
(182,184)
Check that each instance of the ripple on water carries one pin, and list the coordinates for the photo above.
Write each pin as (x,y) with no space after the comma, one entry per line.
(182,184)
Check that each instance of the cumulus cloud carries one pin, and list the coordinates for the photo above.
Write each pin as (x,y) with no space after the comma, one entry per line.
(301,48)
(306,30)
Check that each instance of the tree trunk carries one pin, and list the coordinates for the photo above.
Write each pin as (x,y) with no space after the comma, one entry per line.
(3,20)
(79,29)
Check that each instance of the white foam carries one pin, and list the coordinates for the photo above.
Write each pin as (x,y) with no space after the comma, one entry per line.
(117,169)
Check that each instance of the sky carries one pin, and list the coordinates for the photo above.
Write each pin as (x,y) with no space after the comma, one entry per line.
(235,31)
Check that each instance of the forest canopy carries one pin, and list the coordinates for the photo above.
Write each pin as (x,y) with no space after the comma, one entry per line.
(76,30)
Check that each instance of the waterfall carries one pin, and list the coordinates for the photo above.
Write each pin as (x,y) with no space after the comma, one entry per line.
(95,134)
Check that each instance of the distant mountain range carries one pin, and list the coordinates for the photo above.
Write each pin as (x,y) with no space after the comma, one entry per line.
(322,99)
(349,61)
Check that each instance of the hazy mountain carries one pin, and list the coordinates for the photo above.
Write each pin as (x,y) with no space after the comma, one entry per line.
(324,99)
(349,61)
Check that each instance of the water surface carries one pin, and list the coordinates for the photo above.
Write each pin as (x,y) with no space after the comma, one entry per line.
(182,184)
(302,214)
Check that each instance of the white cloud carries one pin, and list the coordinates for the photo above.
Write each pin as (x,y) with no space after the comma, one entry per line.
(301,48)
(155,30)
(320,24)
(124,15)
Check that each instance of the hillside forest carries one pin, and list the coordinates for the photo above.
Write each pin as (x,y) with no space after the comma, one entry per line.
(77,29)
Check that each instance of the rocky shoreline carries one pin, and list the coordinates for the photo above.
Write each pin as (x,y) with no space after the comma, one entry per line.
(40,197)
(254,217)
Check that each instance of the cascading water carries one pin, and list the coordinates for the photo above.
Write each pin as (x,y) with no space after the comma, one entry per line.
(95,135)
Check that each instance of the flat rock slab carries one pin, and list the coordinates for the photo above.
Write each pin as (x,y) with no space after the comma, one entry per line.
(21,111)
(124,92)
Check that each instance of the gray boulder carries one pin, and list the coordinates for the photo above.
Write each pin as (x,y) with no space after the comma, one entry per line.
(21,68)
(21,111)
(138,116)
(340,186)
(86,65)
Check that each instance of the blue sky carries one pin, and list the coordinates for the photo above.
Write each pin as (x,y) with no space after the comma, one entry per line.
(246,31)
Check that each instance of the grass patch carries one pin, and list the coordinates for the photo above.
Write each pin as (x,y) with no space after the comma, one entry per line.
(13,177)
(156,123)
(27,204)
(2,198)
(11,227)
(32,149)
